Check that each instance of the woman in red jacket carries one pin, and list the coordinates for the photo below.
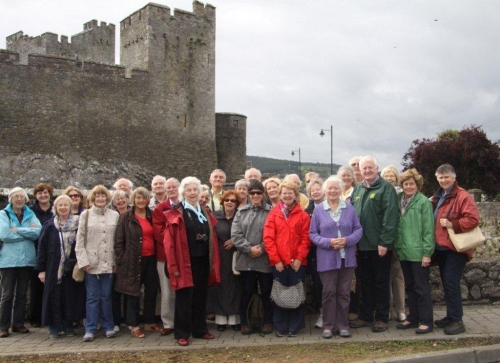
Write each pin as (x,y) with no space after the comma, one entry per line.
(193,263)
(453,208)
(286,239)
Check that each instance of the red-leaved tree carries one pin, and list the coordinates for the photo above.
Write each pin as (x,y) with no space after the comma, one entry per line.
(475,158)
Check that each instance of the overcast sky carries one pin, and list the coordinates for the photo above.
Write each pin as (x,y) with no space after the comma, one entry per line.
(383,73)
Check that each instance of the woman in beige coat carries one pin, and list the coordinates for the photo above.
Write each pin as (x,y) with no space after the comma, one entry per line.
(95,255)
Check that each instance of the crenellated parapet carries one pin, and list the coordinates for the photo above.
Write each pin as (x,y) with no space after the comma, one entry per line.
(95,43)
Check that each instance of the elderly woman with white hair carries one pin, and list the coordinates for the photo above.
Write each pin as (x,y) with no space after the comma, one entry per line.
(335,230)
(193,262)
(19,228)
(63,297)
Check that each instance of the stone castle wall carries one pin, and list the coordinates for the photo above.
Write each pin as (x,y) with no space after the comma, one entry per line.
(154,113)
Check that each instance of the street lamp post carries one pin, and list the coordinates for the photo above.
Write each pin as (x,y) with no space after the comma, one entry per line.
(322,133)
(300,163)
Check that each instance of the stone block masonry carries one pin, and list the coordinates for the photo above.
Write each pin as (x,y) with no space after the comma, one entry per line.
(154,113)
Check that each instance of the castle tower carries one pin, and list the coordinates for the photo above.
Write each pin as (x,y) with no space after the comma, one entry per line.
(231,143)
(178,51)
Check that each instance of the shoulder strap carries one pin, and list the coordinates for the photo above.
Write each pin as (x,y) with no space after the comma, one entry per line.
(86,228)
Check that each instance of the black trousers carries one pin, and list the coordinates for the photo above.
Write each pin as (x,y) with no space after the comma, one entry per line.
(149,278)
(36,298)
(419,292)
(249,286)
(191,303)
(374,272)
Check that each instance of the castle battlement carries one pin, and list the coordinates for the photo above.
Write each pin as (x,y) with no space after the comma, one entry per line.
(95,43)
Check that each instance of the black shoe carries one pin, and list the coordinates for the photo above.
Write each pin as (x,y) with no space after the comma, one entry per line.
(443,323)
(424,331)
(407,326)
(280,334)
(221,327)
(236,327)
(20,329)
(267,329)
(292,333)
(454,328)
(246,330)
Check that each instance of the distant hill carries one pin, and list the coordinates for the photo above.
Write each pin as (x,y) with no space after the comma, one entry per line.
(271,166)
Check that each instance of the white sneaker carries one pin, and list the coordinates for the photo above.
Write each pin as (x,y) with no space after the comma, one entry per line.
(116,329)
(110,334)
(319,322)
(88,337)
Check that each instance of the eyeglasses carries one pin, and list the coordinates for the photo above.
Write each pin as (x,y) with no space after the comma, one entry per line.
(227,200)
(254,192)
(354,164)
(74,196)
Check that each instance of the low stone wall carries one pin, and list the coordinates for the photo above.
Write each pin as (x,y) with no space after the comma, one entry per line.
(480,282)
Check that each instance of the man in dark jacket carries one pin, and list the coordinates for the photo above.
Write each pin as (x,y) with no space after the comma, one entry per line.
(375,201)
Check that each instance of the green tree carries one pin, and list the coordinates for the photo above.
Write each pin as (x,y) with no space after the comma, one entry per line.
(474,157)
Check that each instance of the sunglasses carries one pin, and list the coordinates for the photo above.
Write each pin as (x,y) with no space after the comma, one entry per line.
(74,196)
(254,192)
(227,200)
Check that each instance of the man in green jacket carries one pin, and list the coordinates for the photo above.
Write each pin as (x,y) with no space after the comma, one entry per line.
(376,204)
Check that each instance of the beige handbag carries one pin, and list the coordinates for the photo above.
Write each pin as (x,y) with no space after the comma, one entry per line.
(78,274)
(467,240)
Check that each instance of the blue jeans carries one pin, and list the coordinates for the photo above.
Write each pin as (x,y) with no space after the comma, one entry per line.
(99,303)
(451,267)
(15,281)
(289,320)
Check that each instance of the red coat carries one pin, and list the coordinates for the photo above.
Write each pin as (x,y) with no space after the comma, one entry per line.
(286,240)
(177,250)
(159,222)
(464,216)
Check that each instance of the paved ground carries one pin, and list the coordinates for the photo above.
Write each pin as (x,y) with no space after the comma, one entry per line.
(480,321)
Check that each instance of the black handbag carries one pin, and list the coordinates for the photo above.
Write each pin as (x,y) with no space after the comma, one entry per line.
(68,266)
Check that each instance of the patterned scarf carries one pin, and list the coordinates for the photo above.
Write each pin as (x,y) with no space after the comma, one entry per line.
(67,239)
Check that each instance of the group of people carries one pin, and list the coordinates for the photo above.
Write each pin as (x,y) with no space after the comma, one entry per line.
(208,251)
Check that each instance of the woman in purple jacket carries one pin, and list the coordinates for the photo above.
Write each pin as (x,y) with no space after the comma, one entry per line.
(335,230)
